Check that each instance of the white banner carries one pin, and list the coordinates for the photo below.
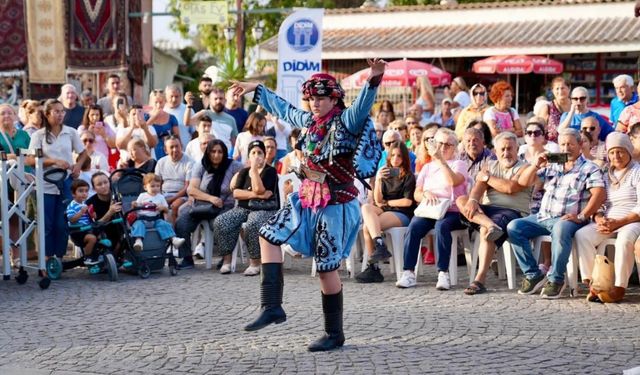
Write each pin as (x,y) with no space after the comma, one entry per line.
(299,52)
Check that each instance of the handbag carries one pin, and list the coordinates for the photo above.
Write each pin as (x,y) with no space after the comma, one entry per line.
(603,274)
(203,210)
(263,204)
(434,211)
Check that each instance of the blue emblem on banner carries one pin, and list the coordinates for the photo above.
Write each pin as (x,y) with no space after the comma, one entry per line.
(302,35)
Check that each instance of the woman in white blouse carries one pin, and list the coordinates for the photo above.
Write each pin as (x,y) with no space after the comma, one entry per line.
(621,217)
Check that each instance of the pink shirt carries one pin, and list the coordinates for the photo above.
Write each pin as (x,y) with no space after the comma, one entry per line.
(431,178)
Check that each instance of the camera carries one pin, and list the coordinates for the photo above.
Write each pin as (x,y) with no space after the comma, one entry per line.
(557,157)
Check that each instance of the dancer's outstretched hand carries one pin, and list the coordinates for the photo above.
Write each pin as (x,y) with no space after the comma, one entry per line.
(377,66)
(241,88)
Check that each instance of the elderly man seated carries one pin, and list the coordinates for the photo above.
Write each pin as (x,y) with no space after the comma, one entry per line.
(503,200)
(620,216)
(593,148)
(175,170)
(475,152)
(574,191)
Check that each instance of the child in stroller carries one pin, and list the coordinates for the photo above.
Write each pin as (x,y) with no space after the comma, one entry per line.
(153,198)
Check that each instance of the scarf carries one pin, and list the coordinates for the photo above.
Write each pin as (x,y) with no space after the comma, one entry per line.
(215,185)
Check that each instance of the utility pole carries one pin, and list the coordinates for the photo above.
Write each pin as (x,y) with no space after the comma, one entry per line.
(240,37)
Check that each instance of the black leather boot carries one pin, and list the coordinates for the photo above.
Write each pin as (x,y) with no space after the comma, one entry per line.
(271,288)
(334,337)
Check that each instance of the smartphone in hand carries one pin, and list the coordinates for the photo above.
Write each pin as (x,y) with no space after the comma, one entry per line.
(557,157)
(394,172)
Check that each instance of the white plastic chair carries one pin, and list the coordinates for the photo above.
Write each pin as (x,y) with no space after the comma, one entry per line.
(572,265)
(506,262)
(463,235)
(207,230)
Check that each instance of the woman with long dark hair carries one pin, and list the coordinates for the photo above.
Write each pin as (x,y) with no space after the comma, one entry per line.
(210,183)
(393,207)
(58,143)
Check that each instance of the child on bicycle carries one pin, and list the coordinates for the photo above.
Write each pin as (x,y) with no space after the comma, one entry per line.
(79,214)
(153,195)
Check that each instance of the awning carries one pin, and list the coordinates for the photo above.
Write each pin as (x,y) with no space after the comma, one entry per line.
(599,26)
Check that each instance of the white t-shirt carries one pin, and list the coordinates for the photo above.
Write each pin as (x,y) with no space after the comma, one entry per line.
(185,131)
(157,199)
(99,163)
(463,99)
(193,150)
(61,147)
(174,174)
(137,133)
(281,136)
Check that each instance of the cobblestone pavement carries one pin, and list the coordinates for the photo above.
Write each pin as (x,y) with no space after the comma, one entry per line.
(192,323)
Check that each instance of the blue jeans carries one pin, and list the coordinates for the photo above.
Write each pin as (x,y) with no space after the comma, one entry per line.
(521,231)
(419,227)
(165,230)
(55,222)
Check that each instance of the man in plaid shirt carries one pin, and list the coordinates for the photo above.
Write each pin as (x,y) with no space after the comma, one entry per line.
(573,193)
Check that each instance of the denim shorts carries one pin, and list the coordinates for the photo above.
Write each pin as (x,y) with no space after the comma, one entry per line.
(404,219)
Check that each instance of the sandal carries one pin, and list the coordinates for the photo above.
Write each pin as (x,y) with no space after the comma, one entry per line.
(475,287)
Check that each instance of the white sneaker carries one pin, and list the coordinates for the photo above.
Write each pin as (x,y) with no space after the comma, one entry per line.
(408,280)
(177,241)
(225,269)
(252,271)
(199,250)
(137,246)
(443,281)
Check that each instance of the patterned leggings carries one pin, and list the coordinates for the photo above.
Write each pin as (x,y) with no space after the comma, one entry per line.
(226,229)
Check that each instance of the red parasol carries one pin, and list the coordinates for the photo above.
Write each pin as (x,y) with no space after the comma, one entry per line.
(401,73)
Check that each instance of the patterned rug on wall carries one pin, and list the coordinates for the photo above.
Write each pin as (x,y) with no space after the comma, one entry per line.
(13,49)
(97,34)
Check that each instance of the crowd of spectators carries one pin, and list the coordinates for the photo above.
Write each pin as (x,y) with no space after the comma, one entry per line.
(500,171)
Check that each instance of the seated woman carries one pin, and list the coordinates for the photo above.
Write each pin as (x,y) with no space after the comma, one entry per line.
(535,137)
(393,207)
(105,209)
(443,177)
(139,156)
(135,128)
(210,182)
(98,160)
(255,188)
(621,216)
(422,155)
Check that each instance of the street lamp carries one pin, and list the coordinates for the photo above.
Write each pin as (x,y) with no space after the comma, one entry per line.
(229,33)
(258,30)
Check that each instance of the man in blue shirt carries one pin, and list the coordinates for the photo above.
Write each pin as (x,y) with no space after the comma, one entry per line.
(580,110)
(625,95)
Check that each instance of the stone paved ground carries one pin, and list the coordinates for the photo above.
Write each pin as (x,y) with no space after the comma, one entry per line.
(192,323)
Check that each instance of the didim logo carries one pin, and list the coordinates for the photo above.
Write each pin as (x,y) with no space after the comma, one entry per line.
(302,35)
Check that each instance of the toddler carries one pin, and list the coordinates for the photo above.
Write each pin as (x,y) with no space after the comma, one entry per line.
(152,186)
(78,214)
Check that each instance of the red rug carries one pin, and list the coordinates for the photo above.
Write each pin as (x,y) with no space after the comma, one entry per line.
(97,34)
(13,49)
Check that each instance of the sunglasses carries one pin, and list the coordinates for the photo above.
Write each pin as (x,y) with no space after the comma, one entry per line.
(388,144)
(411,122)
(588,129)
(533,133)
(580,98)
(479,93)
(88,140)
(445,144)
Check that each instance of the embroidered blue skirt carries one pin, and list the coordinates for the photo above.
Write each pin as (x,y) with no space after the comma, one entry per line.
(327,234)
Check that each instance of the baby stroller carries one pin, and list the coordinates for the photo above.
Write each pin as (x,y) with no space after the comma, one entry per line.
(154,255)
(105,261)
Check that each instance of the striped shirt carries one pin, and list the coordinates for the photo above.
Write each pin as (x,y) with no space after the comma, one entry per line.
(568,192)
(624,198)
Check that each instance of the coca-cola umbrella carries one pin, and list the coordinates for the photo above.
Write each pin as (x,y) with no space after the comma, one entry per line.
(517,64)
(401,73)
